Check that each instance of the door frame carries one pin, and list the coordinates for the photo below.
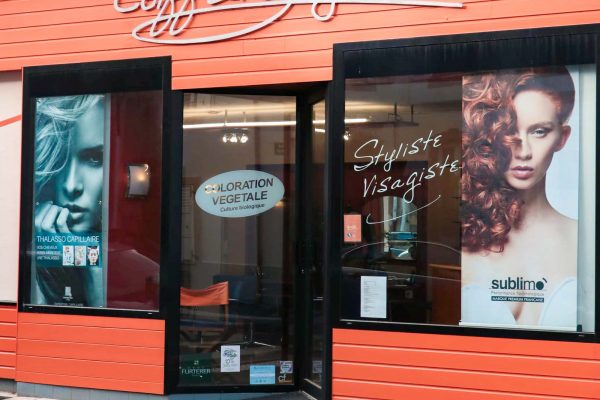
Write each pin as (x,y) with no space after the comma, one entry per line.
(304,93)
(305,245)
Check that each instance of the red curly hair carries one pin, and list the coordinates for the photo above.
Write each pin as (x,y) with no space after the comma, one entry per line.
(490,207)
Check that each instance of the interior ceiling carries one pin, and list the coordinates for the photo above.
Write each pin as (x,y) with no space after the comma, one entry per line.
(379,100)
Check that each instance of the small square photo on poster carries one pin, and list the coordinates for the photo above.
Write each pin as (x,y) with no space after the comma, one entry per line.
(80,256)
(93,252)
(68,256)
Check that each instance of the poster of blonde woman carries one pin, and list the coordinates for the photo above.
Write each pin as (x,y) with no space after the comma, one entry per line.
(69,164)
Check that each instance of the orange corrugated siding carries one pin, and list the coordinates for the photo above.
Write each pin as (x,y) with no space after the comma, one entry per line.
(92,352)
(8,341)
(409,366)
(296,48)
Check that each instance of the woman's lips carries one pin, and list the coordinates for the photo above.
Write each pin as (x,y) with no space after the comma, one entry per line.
(522,172)
(74,208)
(75,212)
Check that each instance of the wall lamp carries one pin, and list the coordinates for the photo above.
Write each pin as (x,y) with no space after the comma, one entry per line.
(138,180)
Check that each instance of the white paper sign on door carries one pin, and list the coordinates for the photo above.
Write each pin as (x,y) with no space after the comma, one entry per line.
(230,358)
(373,296)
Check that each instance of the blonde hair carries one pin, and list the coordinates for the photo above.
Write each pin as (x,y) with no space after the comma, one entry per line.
(55,118)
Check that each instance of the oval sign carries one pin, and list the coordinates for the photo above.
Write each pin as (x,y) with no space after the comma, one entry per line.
(237,194)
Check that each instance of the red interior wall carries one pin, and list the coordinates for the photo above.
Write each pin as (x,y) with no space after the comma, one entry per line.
(134,223)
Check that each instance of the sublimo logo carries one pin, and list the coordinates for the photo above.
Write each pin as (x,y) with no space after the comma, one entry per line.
(518,284)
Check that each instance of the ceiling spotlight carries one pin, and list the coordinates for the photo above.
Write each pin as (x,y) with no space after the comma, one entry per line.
(235,137)
(347,135)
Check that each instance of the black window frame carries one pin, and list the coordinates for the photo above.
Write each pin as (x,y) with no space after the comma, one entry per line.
(127,75)
(570,45)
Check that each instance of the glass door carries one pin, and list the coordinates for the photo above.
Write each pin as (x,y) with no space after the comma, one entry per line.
(312,231)
(238,263)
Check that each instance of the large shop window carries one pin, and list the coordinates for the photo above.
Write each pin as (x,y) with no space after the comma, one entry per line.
(469,195)
(92,164)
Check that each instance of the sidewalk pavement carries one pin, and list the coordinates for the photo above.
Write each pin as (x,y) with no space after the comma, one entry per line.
(13,396)
(278,396)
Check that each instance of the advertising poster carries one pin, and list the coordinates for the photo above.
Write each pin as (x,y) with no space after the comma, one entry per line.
(520,195)
(70,176)
(195,369)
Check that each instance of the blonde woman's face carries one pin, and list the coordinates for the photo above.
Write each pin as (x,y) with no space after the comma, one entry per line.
(78,186)
(539,135)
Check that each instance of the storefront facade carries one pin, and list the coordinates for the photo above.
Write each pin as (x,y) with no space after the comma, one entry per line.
(354,200)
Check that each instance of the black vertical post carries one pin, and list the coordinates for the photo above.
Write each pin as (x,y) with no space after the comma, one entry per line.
(170,271)
(334,174)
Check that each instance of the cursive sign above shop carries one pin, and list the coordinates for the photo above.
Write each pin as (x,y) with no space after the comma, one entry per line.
(171,17)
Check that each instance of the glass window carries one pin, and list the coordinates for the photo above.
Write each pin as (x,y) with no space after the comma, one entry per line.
(238,261)
(97,200)
(469,199)
(96,162)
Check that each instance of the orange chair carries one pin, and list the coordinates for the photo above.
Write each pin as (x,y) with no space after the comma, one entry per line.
(192,323)
(214,295)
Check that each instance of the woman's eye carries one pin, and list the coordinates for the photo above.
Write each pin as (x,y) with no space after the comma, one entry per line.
(95,161)
(92,157)
(540,132)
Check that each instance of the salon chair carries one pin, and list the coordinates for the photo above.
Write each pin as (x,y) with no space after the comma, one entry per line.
(248,305)
(198,316)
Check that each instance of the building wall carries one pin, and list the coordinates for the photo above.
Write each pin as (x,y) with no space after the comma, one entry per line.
(10,182)
(127,354)
(296,48)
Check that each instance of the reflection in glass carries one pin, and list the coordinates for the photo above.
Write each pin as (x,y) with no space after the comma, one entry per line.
(400,227)
(468,159)
(237,270)
(399,178)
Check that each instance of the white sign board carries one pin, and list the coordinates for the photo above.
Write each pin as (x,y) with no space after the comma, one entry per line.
(238,194)
(230,358)
(373,296)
